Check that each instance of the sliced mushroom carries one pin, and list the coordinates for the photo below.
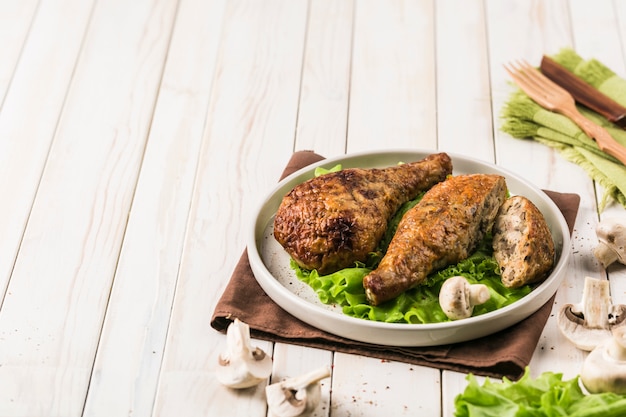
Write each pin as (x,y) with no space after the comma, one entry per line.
(589,323)
(604,369)
(242,366)
(297,396)
(611,234)
(458,297)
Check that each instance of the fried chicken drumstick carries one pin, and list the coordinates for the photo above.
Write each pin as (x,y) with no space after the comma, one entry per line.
(331,221)
(444,228)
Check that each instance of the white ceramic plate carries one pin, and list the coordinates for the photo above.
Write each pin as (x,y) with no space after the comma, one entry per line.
(270,263)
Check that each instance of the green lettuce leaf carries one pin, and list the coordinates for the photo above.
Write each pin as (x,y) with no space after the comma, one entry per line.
(417,305)
(322,171)
(545,396)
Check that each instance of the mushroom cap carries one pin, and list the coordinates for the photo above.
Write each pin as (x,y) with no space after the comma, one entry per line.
(457,297)
(590,323)
(573,327)
(604,369)
(454,298)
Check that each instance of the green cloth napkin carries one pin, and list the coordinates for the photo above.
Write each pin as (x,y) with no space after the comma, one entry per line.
(523,118)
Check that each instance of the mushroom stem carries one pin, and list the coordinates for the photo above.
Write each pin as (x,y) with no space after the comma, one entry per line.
(303,381)
(605,254)
(596,303)
(589,323)
(479,294)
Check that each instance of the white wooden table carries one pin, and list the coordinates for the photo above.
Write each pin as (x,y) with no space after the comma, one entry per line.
(136,137)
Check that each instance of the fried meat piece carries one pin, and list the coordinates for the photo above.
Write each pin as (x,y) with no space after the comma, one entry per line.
(331,221)
(444,228)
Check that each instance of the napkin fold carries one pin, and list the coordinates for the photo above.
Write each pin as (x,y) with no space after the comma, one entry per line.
(506,353)
(523,118)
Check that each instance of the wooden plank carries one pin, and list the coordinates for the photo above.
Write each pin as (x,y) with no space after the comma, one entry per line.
(588,20)
(464,109)
(322,127)
(453,384)
(15,22)
(392,104)
(617,274)
(323,109)
(371,387)
(292,361)
(37,92)
(53,311)
(248,138)
(529,30)
(126,370)
(392,91)
(463,91)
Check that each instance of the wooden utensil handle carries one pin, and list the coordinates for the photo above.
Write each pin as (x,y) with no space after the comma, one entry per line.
(602,137)
(583,92)
(614,149)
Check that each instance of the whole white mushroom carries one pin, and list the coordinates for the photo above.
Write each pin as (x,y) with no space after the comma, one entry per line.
(604,369)
(611,233)
(458,297)
(241,365)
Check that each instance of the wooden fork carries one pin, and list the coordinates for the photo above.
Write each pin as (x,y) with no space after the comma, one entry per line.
(553,97)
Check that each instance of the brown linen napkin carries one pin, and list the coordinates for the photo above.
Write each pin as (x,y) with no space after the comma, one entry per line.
(505,353)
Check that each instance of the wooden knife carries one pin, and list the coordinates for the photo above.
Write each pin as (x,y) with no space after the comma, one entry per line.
(583,92)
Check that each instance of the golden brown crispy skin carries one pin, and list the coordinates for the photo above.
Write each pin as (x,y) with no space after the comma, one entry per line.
(332,221)
(444,228)
(522,243)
